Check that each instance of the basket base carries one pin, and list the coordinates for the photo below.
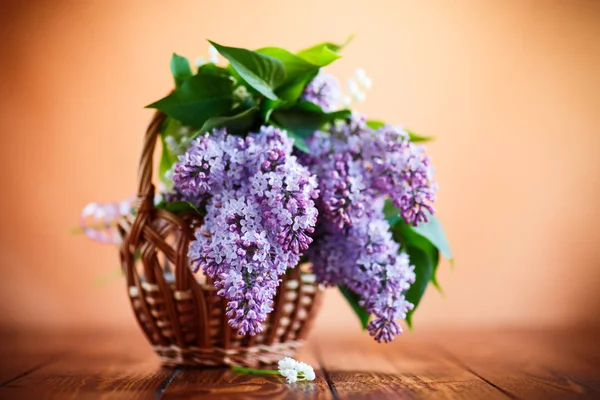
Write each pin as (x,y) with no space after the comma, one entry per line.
(174,356)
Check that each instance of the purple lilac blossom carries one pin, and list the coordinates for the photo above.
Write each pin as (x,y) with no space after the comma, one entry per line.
(355,163)
(323,90)
(402,170)
(260,212)
(356,167)
(365,258)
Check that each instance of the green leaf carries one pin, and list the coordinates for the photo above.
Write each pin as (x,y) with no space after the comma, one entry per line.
(416,138)
(178,207)
(168,158)
(303,119)
(431,231)
(199,98)
(323,53)
(238,124)
(391,213)
(299,142)
(261,72)
(353,299)
(337,47)
(291,91)
(424,254)
(434,232)
(267,107)
(180,68)
(373,124)
(212,69)
(295,66)
(424,261)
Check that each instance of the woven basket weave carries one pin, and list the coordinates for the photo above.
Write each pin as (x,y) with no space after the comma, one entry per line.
(180,313)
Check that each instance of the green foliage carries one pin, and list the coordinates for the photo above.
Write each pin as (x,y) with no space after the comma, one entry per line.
(373,124)
(303,119)
(197,99)
(333,46)
(434,232)
(294,66)
(323,53)
(236,124)
(212,69)
(275,79)
(180,68)
(353,299)
(423,245)
(179,207)
(319,54)
(168,158)
(416,138)
(425,263)
(261,72)
(267,106)
(291,91)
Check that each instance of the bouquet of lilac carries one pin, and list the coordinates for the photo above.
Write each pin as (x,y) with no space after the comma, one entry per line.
(283,173)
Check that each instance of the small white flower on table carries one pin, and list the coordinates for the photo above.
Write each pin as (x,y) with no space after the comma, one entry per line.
(294,370)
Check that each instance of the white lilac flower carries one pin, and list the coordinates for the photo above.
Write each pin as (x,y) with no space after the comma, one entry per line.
(355,91)
(294,370)
(357,87)
(292,376)
(305,370)
(287,366)
(363,80)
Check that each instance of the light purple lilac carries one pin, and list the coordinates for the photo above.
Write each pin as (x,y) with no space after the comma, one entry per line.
(355,163)
(260,214)
(365,258)
(356,167)
(323,90)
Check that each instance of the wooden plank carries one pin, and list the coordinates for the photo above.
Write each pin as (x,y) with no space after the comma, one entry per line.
(222,383)
(531,365)
(407,368)
(115,367)
(18,356)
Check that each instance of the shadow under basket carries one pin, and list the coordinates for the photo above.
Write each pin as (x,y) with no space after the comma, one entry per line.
(180,313)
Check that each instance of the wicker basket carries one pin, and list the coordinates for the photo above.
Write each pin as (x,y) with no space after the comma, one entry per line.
(180,313)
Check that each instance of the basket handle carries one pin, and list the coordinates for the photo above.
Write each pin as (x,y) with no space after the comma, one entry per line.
(145,186)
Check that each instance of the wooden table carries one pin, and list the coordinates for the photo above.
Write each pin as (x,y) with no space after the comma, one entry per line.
(525,365)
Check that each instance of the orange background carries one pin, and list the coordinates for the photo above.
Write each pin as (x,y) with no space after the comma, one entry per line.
(511,90)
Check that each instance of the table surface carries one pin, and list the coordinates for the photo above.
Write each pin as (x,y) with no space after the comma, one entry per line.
(490,365)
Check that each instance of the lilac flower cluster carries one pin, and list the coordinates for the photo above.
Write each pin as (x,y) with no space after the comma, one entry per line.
(365,258)
(357,166)
(355,163)
(323,90)
(260,215)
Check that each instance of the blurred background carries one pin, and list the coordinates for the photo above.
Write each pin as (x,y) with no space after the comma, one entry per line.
(510,89)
